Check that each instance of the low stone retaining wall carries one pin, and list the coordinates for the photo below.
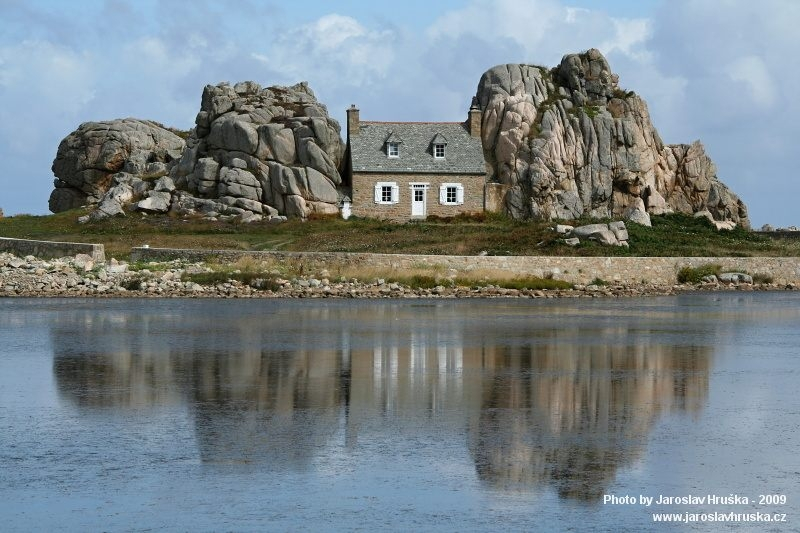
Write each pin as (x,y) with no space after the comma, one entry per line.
(657,270)
(52,250)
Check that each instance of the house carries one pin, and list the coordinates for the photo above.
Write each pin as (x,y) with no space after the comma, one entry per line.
(412,170)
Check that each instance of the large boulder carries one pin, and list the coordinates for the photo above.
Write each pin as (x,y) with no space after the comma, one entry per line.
(64,198)
(156,202)
(613,234)
(264,150)
(272,152)
(90,156)
(569,142)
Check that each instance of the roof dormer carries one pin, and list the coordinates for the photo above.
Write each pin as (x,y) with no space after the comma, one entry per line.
(392,144)
(438,146)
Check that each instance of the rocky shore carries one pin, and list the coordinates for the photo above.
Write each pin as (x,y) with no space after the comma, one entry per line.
(79,276)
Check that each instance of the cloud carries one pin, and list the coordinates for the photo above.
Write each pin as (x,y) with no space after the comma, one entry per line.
(754,74)
(543,30)
(485,33)
(42,84)
(527,23)
(740,85)
(59,68)
(335,50)
(44,87)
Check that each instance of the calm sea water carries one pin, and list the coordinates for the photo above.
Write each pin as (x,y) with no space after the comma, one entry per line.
(474,415)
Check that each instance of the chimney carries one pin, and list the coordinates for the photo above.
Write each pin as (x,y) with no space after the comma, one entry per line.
(475,117)
(353,121)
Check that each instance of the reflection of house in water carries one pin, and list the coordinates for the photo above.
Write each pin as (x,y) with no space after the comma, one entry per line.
(537,407)
(412,375)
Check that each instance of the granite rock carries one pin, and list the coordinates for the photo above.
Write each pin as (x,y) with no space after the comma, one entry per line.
(569,142)
(90,156)
(270,146)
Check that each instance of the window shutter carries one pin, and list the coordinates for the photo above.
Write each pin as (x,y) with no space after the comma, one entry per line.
(459,194)
(377,193)
(442,194)
(395,193)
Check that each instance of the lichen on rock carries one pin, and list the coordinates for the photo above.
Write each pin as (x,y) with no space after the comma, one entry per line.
(569,143)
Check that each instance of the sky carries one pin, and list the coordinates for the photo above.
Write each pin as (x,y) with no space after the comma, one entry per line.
(726,72)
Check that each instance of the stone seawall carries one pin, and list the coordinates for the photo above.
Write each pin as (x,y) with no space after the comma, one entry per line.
(52,250)
(582,270)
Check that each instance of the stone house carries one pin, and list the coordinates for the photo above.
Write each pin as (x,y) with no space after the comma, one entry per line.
(412,170)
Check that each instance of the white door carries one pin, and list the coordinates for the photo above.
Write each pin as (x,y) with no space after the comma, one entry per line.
(418,201)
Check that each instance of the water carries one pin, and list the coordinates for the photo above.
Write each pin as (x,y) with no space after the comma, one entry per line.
(473,415)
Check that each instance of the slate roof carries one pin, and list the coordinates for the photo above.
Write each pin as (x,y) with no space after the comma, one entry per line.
(463,155)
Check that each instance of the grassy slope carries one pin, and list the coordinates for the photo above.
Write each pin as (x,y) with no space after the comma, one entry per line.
(673,235)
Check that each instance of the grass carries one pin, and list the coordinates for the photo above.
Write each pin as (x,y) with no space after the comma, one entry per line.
(248,271)
(762,278)
(623,94)
(671,235)
(265,274)
(416,281)
(134,283)
(696,274)
(254,279)
(685,236)
(591,110)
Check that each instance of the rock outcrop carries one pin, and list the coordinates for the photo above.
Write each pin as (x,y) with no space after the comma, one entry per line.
(89,157)
(254,153)
(272,150)
(569,142)
(613,234)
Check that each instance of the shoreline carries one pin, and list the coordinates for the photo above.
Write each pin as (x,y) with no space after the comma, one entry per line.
(80,277)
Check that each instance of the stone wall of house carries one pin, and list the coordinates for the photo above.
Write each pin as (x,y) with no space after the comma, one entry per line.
(631,270)
(364,195)
(51,250)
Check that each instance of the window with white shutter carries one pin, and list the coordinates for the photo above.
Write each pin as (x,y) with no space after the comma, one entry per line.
(451,194)
(387,192)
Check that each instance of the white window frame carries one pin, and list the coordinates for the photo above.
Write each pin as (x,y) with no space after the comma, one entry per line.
(436,148)
(459,191)
(392,149)
(380,189)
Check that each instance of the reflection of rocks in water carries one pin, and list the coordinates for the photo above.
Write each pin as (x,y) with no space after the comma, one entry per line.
(570,415)
(544,404)
(250,404)
(123,365)
(269,408)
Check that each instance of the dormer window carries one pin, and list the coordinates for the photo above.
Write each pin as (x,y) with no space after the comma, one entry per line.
(438,144)
(393,142)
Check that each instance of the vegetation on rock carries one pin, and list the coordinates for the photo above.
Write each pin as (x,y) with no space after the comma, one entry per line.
(569,142)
